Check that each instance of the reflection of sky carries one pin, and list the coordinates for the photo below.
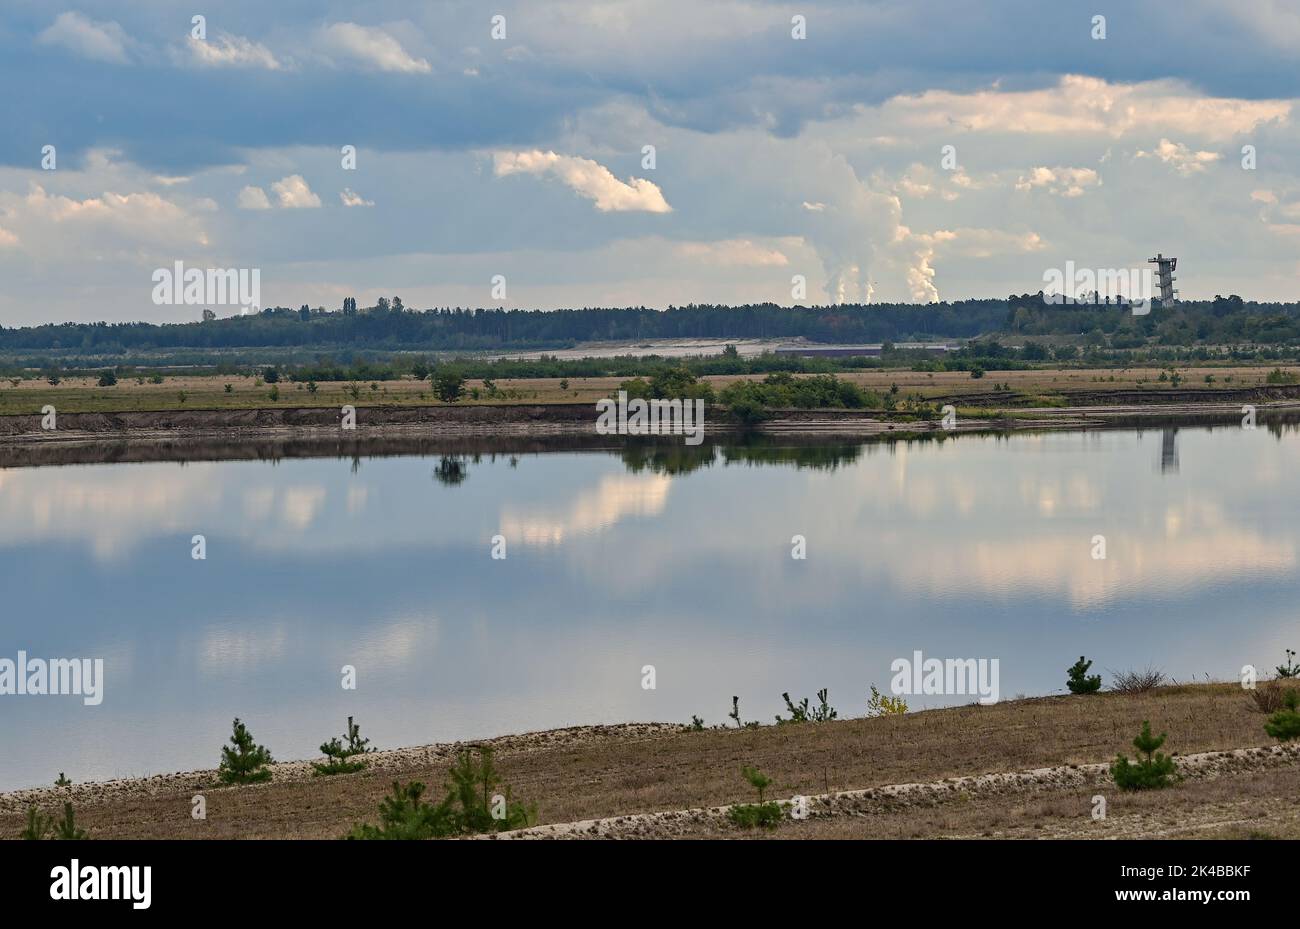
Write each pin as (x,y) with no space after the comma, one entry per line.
(974,547)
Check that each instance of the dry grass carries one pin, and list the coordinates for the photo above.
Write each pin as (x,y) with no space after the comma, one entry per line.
(82,395)
(648,772)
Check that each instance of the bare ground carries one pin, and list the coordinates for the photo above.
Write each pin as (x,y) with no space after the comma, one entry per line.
(593,773)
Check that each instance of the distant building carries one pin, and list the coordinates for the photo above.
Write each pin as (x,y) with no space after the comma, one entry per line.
(868,351)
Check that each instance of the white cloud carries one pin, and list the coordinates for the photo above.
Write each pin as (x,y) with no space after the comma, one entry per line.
(87,38)
(351,198)
(370,46)
(814,207)
(254,198)
(232,51)
(112,225)
(1080,106)
(733,252)
(294,193)
(588,178)
(1060,181)
(1182,159)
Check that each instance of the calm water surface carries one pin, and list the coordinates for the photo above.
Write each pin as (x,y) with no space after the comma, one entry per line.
(681,558)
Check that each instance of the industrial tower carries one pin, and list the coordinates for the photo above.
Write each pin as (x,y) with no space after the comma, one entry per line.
(1165,276)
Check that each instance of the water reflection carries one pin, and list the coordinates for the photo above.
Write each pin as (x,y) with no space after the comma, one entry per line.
(621,556)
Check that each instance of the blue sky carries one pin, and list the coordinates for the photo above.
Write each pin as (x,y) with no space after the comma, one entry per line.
(522,156)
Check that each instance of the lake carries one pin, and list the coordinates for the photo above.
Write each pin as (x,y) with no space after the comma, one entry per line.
(978,546)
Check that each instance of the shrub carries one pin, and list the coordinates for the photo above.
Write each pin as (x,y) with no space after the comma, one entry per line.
(271,375)
(404,815)
(749,815)
(735,714)
(155,378)
(312,388)
(469,806)
(695,725)
(1136,682)
(880,705)
(1268,699)
(800,713)
(40,827)
(1080,682)
(274,393)
(338,752)
(1290,669)
(107,379)
(1284,725)
(63,781)
(243,761)
(1147,773)
(449,386)
(976,372)
(229,388)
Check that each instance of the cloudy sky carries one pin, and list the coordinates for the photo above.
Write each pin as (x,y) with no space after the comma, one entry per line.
(523,154)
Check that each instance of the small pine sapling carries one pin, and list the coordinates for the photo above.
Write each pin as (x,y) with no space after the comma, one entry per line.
(764,813)
(38,825)
(1080,682)
(339,752)
(63,781)
(243,761)
(735,714)
(66,828)
(1284,725)
(1290,669)
(1147,773)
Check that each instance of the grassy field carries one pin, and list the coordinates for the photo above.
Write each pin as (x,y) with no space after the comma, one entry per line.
(82,395)
(586,774)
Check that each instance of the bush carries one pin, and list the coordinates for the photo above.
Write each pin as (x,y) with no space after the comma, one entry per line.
(338,752)
(271,375)
(107,379)
(1290,669)
(749,815)
(800,713)
(469,806)
(449,386)
(695,725)
(1284,725)
(40,826)
(1153,771)
(1136,682)
(243,761)
(880,705)
(735,714)
(1080,682)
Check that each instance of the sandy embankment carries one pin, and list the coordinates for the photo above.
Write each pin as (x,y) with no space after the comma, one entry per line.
(1028,767)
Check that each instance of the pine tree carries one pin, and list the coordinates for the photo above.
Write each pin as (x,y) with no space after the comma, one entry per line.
(245,762)
(1152,771)
(1284,725)
(1080,682)
(339,752)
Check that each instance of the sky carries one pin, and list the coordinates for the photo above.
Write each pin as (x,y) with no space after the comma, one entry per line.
(640,152)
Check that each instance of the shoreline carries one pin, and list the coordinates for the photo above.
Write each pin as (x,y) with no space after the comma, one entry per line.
(524,428)
(945,772)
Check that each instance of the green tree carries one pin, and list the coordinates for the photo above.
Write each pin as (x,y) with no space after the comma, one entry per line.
(1155,770)
(243,761)
(449,386)
(107,378)
(1284,725)
(1080,682)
